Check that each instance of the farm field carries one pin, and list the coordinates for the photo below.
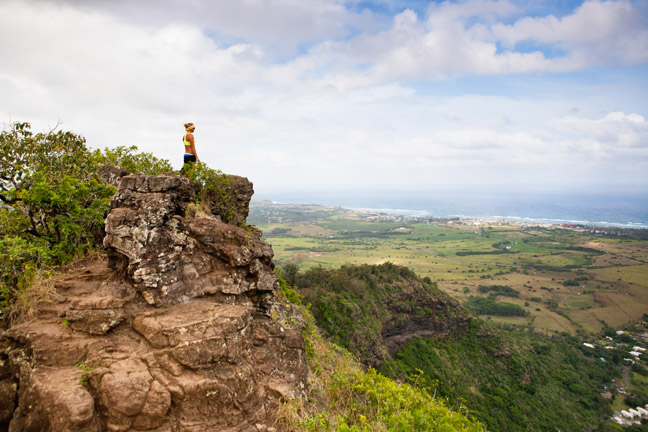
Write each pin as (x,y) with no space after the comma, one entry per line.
(565,279)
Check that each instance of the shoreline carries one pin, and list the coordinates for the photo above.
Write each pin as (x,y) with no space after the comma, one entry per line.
(422,215)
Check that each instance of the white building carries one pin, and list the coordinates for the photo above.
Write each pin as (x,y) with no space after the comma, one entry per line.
(634,412)
(642,411)
(588,345)
(627,414)
(638,348)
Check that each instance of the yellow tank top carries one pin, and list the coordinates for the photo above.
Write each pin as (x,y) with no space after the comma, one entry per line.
(187,143)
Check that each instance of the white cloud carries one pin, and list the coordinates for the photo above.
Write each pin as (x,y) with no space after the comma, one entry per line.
(615,136)
(344,113)
(274,24)
(110,79)
(598,32)
(462,39)
(438,13)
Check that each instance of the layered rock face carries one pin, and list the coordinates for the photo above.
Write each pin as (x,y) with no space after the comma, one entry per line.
(443,319)
(178,329)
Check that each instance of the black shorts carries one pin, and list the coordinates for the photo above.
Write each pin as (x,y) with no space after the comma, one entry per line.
(189,158)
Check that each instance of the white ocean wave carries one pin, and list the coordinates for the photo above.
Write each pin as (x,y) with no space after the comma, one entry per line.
(636,225)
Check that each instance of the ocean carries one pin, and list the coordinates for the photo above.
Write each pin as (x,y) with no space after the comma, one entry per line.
(624,210)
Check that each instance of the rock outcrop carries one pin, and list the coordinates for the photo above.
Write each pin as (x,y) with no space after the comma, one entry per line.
(179,328)
(418,313)
(169,259)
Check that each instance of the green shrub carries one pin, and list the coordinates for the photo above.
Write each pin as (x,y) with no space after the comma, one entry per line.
(213,183)
(376,403)
(288,292)
(52,201)
(499,290)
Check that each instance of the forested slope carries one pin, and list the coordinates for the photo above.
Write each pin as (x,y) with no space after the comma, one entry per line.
(510,380)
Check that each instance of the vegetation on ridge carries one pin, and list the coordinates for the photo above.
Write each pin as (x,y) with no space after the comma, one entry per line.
(356,305)
(53,203)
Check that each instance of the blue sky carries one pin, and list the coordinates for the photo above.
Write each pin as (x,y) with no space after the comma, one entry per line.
(346,95)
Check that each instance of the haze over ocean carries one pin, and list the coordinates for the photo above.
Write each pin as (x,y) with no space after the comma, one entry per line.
(620,209)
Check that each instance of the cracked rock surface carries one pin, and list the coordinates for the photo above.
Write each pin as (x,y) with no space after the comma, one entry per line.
(178,328)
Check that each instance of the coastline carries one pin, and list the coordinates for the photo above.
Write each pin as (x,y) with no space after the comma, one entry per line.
(603,209)
(407,215)
(422,214)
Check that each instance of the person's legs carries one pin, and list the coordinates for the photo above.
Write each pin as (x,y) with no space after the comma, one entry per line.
(188,159)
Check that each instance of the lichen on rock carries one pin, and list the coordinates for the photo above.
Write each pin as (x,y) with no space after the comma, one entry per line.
(169,259)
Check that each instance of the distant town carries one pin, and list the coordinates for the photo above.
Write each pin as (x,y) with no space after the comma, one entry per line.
(633,345)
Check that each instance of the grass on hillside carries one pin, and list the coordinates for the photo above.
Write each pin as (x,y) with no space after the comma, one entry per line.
(343,396)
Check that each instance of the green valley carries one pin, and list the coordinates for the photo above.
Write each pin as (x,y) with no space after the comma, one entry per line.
(568,280)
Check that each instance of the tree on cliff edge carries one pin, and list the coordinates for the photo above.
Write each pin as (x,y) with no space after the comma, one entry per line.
(52,200)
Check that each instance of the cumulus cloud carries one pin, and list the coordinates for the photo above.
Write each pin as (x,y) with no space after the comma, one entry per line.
(598,32)
(310,92)
(113,80)
(487,10)
(617,140)
(465,38)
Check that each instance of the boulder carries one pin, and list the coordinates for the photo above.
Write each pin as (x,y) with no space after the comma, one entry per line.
(170,260)
(112,174)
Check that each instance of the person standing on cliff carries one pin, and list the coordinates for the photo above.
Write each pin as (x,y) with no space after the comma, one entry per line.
(190,155)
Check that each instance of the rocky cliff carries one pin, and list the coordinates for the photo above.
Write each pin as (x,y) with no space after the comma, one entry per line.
(178,328)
